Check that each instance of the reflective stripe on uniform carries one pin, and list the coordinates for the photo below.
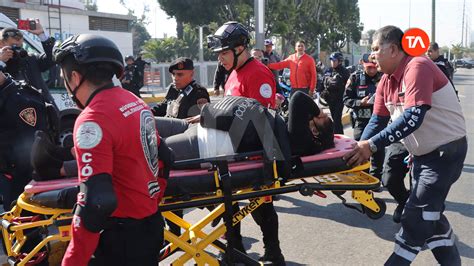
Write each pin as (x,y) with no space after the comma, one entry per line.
(441,243)
(402,241)
(443,240)
(431,216)
(403,249)
(404,253)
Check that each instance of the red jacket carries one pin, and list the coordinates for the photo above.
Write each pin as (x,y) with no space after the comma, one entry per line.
(302,70)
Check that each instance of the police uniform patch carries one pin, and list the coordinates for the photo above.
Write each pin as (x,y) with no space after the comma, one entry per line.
(28,115)
(88,135)
(149,140)
(266,90)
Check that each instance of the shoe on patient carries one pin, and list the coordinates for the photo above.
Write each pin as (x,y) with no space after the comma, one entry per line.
(272,257)
(397,214)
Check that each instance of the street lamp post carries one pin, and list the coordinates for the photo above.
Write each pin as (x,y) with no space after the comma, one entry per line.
(201,49)
(259,11)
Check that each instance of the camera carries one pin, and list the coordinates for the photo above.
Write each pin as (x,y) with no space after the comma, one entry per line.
(18,51)
(265,61)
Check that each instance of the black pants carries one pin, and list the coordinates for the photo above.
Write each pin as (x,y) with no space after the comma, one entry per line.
(266,217)
(377,159)
(131,243)
(336,108)
(11,188)
(395,171)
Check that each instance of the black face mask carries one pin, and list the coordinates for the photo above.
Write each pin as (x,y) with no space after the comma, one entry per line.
(72,93)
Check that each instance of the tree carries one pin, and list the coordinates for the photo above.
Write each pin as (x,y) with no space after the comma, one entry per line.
(191,12)
(138,28)
(370,35)
(168,49)
(91,5)
(458,50)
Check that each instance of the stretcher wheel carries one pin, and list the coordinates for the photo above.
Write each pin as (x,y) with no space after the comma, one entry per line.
(376,215)
(338,192)
(306,191)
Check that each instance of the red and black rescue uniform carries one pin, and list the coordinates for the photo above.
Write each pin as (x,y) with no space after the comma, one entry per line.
(252,80)
(115,137)
(23,111)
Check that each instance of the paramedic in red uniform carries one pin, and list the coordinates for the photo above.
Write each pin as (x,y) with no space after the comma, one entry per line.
(248,77)
(252,79)
(116,219)
(427,118)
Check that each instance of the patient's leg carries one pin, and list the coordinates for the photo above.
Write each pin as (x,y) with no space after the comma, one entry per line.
(185,145)
(170,126)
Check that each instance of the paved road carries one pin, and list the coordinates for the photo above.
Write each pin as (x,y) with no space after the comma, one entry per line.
(316,231)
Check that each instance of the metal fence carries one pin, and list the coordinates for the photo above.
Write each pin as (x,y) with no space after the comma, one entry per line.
(157,76)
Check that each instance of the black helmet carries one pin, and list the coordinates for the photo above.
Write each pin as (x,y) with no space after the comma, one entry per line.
(228,36)
(336,56)
(129,57)
(89,48)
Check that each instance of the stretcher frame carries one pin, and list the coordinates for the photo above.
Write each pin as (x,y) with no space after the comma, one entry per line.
(193,241)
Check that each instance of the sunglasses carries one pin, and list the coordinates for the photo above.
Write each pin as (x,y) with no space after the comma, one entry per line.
(12,34)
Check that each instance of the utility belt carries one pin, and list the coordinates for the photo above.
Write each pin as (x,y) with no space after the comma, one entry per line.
(117,224)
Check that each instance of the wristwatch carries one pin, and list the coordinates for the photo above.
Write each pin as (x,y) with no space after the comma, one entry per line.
(373,147)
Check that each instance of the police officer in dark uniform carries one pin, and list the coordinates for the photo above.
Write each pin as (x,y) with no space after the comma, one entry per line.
(334,80)
(130,76)
(359,96)
(140,63)
(440,61)
(23,66)
(185,96)
(23,111)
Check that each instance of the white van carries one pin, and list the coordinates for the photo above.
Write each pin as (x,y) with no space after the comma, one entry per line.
(68,111)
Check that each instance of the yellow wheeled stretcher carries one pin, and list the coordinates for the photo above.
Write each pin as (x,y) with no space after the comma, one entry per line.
(42,214)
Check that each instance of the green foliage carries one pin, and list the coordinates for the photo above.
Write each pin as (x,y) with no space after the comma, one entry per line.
(333,22)
(168,49)
(91,5)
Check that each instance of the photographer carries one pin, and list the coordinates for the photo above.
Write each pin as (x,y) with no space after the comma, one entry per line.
(23,66)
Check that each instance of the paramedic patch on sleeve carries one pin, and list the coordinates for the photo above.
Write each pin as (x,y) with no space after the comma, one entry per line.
(266,90)
(88,135)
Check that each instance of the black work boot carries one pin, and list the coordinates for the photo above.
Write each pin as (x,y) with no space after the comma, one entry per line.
(272,256)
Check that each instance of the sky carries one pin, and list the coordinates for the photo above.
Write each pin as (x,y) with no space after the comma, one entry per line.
(373,14)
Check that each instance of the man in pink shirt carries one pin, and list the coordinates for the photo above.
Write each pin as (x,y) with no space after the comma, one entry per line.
(427,117)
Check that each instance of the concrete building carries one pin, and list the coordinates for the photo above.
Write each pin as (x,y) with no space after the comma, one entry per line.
(63,18)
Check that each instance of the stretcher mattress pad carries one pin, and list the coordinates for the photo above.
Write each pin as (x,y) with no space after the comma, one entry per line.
(243,174)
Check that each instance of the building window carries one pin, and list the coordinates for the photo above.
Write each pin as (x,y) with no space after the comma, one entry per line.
(11,13)
(109,24)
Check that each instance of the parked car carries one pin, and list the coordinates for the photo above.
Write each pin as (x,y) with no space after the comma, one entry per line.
(464,63)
